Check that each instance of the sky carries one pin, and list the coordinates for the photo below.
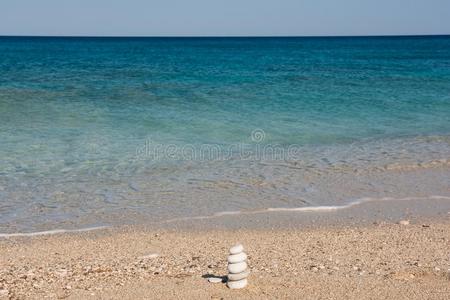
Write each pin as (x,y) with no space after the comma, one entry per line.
(223,17)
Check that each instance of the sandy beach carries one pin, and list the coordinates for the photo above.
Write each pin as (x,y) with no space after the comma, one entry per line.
(376,261)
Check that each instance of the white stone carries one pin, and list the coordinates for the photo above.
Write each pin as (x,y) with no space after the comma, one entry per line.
(149,256)
(239,276)
(237,258)
(236,249)
(62,272)
(237,268)
(215,279)
(237,284)
(404,222)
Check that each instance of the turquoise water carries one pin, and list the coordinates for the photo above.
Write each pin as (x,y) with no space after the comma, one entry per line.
(75,113)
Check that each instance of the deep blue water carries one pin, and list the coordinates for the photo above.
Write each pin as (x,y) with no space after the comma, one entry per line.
(71,108)
(216,90)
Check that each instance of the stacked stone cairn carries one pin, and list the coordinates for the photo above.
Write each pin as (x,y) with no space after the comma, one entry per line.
(237,268)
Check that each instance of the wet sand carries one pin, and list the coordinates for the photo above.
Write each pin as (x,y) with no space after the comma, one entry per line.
(381,260)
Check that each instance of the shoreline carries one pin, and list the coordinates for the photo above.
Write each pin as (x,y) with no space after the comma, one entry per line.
(381,260)
(363,212)
(189,192)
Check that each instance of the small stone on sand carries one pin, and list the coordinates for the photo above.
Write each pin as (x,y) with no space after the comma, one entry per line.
(149,256)
(215,279)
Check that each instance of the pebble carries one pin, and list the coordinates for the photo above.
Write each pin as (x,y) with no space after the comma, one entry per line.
(236,258)
(4,293)
(237,268)
(215,279)
(404,222)
(239,284)
(61,273)
(236,249)
(149,256)
(239,276)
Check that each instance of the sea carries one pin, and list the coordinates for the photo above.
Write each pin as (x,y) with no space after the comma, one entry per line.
(114,131)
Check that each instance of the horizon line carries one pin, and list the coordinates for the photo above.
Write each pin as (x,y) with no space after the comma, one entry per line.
(223,36)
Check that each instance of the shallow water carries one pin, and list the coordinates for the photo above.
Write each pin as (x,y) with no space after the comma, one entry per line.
(111,131)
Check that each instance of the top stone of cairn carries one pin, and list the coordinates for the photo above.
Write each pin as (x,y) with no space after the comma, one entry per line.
(236,249)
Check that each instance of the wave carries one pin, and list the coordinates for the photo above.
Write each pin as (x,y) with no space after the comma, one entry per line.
(306,208)
(330,208)
(50,232)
